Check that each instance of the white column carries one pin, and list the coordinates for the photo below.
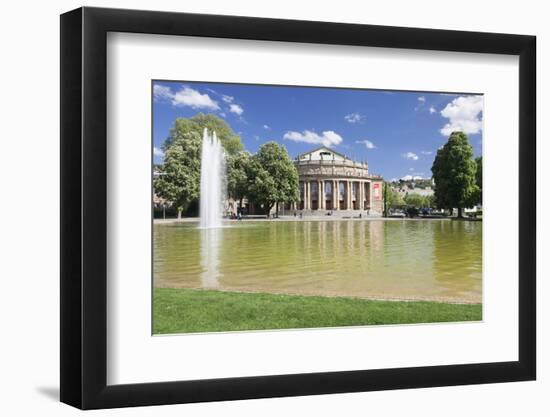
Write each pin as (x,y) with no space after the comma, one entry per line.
(321,195)
(349,195)
(356,196)
(336,195)
(361,194)
(365,193)
(304,195)
(308,199)
(318,195)
(346,194)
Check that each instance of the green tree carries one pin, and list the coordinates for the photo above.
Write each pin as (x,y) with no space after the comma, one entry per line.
(262,190)
(479,177)
(230,141)
(273,178)
(392,199)
(179,181)
(396,199)
(238,168)
(386,195)
(416,200)
(454,174)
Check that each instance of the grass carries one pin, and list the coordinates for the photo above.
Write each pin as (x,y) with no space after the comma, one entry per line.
(190,311)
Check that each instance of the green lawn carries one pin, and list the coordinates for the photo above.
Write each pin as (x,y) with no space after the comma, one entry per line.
(185,310)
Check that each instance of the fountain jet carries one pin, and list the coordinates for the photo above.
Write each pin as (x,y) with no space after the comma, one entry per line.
(212,181)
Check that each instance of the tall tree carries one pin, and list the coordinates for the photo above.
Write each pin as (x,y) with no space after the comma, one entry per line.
(454,174)
(479,177)
(238,167)
(262,190)
(274,177)
(385,194)
(179,180)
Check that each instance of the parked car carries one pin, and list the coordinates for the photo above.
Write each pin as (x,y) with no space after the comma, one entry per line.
(397,213)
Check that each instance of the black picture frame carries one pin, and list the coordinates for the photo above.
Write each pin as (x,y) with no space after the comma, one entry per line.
(84,207)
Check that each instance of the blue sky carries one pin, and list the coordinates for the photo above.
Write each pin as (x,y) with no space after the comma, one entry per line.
(397,133)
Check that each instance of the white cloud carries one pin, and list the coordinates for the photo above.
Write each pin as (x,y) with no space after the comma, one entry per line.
(162,92)
(158,152)
(432,110)
(266,127)
(411,169)
(327,138)
(222,114)
(421,103)
(368,144)
(354,118)
(186,96)
(235,108)
(464,114)
(228,99)
(426,152)
(410,155)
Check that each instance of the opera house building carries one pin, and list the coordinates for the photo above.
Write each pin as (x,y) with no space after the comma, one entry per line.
(332,183)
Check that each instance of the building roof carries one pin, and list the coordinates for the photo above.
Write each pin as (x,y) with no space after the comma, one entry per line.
(323,158)
(322,149)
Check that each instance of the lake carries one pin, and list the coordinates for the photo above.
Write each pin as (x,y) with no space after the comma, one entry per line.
(380,259)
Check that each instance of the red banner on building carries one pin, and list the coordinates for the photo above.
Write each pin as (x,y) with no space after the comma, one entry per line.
(376,191)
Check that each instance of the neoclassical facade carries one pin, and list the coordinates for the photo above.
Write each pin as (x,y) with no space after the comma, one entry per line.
(332,182)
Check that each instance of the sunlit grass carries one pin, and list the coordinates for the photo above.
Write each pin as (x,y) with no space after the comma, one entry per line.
(186,311)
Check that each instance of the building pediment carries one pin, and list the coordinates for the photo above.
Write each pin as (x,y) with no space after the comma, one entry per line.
(322,154)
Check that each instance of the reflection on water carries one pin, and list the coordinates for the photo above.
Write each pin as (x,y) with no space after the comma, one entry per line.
(210,242)
(437,259)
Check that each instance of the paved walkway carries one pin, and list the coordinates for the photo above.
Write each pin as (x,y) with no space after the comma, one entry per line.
(303,219)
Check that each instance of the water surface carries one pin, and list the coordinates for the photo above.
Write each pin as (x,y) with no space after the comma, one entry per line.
(396,259)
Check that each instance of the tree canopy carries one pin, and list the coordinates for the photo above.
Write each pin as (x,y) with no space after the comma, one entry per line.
(179,180)
(266,178)
(417,200)
(273,178)
(230,141)
(392,199)
(454,174)
(479,177)
(238,168)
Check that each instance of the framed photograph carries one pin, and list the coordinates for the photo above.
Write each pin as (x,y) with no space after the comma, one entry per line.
(257,208)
